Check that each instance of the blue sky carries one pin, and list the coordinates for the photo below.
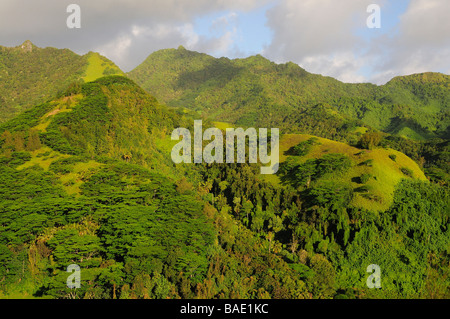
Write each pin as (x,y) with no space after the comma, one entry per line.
(252,33)
(327,37)
(390,19)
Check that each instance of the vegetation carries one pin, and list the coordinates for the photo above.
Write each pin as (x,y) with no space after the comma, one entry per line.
(86,178)
(30,75)
(257,92)
(341,163)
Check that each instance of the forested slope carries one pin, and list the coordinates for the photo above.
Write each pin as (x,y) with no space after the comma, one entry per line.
(30,75)
(257,92)
(87,179)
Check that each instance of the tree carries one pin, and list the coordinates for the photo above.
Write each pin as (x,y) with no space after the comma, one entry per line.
(370,140)
(324,278)
(19,141)
(33,142)
(7,140)
(183,186)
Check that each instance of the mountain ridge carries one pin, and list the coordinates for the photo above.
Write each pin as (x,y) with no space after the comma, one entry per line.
(219,87)
(236,90)
(87,179)
(30,75)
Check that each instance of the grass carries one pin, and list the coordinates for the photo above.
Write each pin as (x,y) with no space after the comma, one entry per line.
(21,290)
(43,157)
(222,125)
(97,66)
(64,104)
(360,129)
(74,179)
(407,132)
(386,173)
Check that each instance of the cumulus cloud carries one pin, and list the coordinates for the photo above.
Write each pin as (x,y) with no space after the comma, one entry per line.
(124,30)
(342,65)
(421,44)
(314,27)
(320,36)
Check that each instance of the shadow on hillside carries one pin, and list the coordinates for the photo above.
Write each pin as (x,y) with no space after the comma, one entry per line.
(216,74)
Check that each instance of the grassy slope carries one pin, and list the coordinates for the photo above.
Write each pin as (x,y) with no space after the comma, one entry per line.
(33,75)
(30,77)
(148,139)
(386,172)
(81,171)
(98,66)
(44,156)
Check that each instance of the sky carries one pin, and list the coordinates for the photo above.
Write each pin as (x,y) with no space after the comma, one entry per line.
(327,37)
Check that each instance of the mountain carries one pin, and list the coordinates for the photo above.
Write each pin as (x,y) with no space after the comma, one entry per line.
(87,179)
(110,117)
(371,175)
(257,92)
(30,75)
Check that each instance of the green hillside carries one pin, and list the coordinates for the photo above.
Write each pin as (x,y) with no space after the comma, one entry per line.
(110,117)
(86,178)
(99,66)
(257,92)
(372,174)
(30,75)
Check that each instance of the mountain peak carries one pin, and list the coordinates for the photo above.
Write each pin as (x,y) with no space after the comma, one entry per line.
(27,46)
(426,77)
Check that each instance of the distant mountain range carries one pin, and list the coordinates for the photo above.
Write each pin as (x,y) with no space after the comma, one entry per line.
(250,92)
(256,91)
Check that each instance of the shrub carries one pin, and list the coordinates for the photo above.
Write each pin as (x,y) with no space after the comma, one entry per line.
(364,178)
(16,159)
(368,162)
(303,148)
(370,140)
(333,163)
(362,189)
(407,171)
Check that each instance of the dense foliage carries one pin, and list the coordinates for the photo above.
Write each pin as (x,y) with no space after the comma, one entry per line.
(410,241)
(255,91)
(30,75)
(86,178)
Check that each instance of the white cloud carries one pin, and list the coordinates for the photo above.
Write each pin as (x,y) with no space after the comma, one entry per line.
(318,35)
(344,66)
(421,44)
(116,50)
(135,45)
(124,30)
(221,23)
